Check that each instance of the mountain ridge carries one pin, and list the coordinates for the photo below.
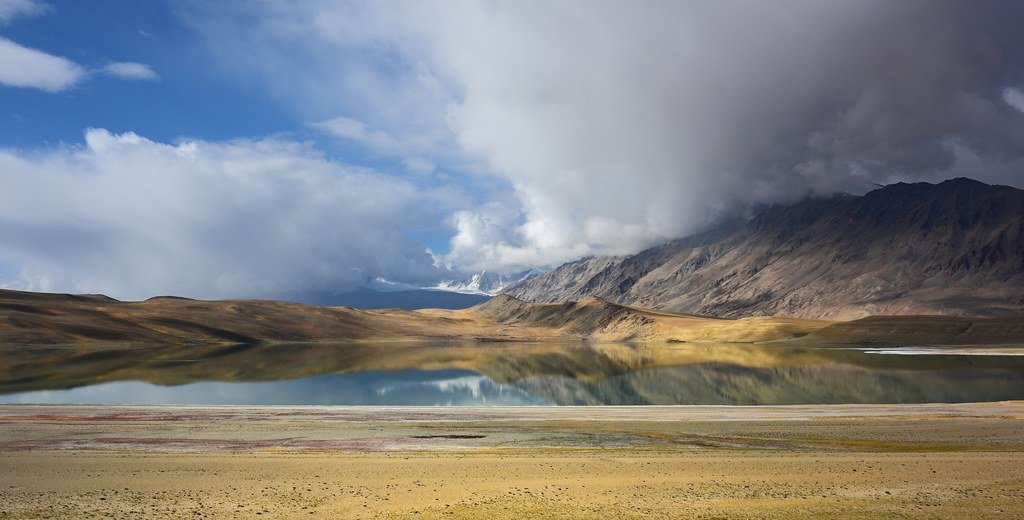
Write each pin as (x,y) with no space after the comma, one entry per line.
(39,319)
(953,248)
(364,298)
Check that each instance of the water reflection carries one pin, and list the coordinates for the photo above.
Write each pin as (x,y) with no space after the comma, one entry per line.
(500,374)
(409,387)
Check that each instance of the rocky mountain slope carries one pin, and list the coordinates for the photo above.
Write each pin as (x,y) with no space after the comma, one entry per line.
(954,248)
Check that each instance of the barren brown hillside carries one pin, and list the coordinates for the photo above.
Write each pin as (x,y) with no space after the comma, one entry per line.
(37,318)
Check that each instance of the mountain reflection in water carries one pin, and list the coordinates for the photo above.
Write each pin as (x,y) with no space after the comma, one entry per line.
(499,374)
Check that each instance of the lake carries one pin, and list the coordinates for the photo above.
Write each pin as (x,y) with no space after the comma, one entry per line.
(460,374)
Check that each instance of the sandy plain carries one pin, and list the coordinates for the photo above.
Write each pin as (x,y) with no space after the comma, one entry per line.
(853,461)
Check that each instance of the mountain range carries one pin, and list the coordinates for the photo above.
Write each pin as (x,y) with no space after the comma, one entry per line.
(38,319)
(953,248)
(487,283)
(378,293)
(366,298)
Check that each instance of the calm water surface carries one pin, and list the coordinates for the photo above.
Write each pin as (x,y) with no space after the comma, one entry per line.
(505,374)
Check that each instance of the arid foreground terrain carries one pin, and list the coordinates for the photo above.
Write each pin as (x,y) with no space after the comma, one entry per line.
(950,461)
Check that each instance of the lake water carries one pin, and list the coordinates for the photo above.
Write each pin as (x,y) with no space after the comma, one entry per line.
(506,374)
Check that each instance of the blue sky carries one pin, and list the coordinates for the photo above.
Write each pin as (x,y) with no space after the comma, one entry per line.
(235,148)
(189,98)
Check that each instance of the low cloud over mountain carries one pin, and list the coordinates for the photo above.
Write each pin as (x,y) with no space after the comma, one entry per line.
(956,248)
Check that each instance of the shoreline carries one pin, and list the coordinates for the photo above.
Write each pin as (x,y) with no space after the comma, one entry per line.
(950,427)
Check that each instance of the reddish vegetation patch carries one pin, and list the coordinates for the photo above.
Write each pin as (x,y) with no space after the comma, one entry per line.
(365,444)
(449,436)
(45,417)
(194,444)
(141,416)
(27,445)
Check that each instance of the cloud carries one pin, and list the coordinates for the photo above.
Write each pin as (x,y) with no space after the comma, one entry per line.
(409,146)
(355,130)
(130,70)
(11,9)
(419,165)
(133,218)
(621,124)
(24,67)
(1014,98)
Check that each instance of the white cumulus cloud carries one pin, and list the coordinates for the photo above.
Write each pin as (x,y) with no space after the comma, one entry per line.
(25,67)
(21,66)
(133,218)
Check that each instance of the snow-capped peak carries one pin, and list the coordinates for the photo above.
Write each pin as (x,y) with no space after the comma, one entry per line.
(486,282)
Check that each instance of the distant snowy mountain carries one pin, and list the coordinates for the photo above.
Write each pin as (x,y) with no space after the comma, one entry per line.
(487,283)
(380,293)
(365,298)
(384,285)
